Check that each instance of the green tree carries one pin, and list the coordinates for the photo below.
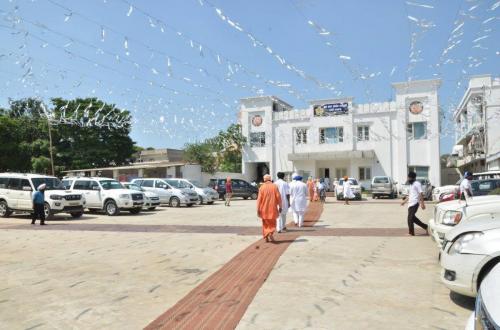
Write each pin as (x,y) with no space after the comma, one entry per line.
(201,153)
(15,154)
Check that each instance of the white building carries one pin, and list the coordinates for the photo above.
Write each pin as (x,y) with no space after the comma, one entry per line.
(336,137)
(477,126)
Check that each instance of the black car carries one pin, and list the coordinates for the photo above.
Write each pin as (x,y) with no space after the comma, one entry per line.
(485,187)
(241,188)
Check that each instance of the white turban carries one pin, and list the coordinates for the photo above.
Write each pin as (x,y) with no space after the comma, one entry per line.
(41,187)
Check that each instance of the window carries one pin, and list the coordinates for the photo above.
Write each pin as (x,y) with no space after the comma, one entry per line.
(67,184)
(82,185)
(417,131)
(340,172)
(363,133)
(25,183)
(94,186)
(422,171)
(147,183)
(300,136)
(365,173)
(257,139)
(331,135)
(3,183)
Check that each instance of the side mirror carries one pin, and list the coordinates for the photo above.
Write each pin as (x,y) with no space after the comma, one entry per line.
(27,188)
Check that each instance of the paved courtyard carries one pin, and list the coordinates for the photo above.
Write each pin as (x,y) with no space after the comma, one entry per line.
(351,267)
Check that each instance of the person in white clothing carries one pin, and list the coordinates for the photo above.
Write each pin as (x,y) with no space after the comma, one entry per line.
(298,199)
(466,186)
(284,190)
(347,190)
(415,198)
(327,183)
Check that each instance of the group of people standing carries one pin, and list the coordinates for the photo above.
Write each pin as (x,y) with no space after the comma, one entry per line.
(275,198)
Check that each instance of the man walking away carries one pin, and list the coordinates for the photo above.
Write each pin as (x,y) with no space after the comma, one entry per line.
(310,188)
(284,190)
(415,198)
(268,207)
(229,191)
(38,205)
(466,186)
(298,199)
(347,190)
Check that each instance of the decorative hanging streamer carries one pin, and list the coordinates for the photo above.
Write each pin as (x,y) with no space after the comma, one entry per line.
(130,10)
(125,45)
(393,70)
(103,34)
(419,5)
(151,23)
(169,67)
(67,17)
(344,57)
(495,6)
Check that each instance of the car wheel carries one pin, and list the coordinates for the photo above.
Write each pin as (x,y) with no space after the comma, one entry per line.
(152,208)
(111,209)
(211,203)
(175,202)
(254,196)
(4,210)
(200,201)
(135,211)
(76,215)
(48,212)
(374,196)
(222,197)
(245,198)
(391,196)
(189,205)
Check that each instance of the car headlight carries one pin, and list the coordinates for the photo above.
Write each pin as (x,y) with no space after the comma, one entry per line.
(462,241)
(56,197)
(124,196)
(451,218)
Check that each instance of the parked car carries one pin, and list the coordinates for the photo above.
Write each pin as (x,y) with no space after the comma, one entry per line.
(426,188)
(105,194)
(169,194)
(485,187)
(469,252)
(151,199)
(449,214)
(439,193)
(355,187)
(241,188)
(384,186)
(486,313)
(16,195)
(205,194)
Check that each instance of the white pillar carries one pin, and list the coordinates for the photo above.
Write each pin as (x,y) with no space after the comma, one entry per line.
(116,174)
(140,173)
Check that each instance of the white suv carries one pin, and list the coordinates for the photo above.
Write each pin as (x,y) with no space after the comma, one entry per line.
(16,195)
(449,214)
(169,194)
(104,194)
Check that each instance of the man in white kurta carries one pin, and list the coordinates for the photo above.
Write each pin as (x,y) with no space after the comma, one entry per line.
(298,199)
(284,190)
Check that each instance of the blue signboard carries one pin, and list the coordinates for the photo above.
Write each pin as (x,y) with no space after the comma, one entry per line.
(331,109)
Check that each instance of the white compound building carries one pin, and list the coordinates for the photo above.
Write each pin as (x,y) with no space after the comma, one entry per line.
(336,137)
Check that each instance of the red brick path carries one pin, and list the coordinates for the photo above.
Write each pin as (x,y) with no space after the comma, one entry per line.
(222,299)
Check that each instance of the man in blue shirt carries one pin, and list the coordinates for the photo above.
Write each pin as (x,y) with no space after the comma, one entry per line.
(38,205)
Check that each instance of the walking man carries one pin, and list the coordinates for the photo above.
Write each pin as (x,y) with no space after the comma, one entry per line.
(268,207)
(466,187)
(415,198)
(310,188)
(298,199)
(38,205)
(229,191)
(284,190)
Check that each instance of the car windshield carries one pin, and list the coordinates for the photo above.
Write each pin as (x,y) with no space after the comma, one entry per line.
(52,183)
(380,179)
(110,184)
(178,184)
(133,186)
(351,181)
(197,184)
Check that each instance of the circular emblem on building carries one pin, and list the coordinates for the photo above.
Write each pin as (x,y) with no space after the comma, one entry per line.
(257,120)
(416,107)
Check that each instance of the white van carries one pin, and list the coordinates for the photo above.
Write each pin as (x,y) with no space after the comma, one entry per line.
(16,195)
(168,193)
(104,194)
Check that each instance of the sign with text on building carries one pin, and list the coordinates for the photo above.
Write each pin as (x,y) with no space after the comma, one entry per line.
(331,109)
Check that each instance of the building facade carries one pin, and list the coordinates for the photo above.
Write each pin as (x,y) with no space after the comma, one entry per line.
(336,137)
(477,126)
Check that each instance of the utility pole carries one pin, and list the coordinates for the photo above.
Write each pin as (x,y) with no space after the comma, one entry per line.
(50,147)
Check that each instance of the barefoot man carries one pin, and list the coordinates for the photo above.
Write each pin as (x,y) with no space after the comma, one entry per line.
(268,207)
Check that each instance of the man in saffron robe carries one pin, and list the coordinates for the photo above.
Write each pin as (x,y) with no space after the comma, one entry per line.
(268,207)
(310,188)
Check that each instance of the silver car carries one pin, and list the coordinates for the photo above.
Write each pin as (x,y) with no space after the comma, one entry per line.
(426,188)
(384,186)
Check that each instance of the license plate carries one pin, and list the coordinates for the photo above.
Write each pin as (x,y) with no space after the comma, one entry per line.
(73,203)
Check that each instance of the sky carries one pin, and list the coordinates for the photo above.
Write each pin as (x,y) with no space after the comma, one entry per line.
(181,66)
